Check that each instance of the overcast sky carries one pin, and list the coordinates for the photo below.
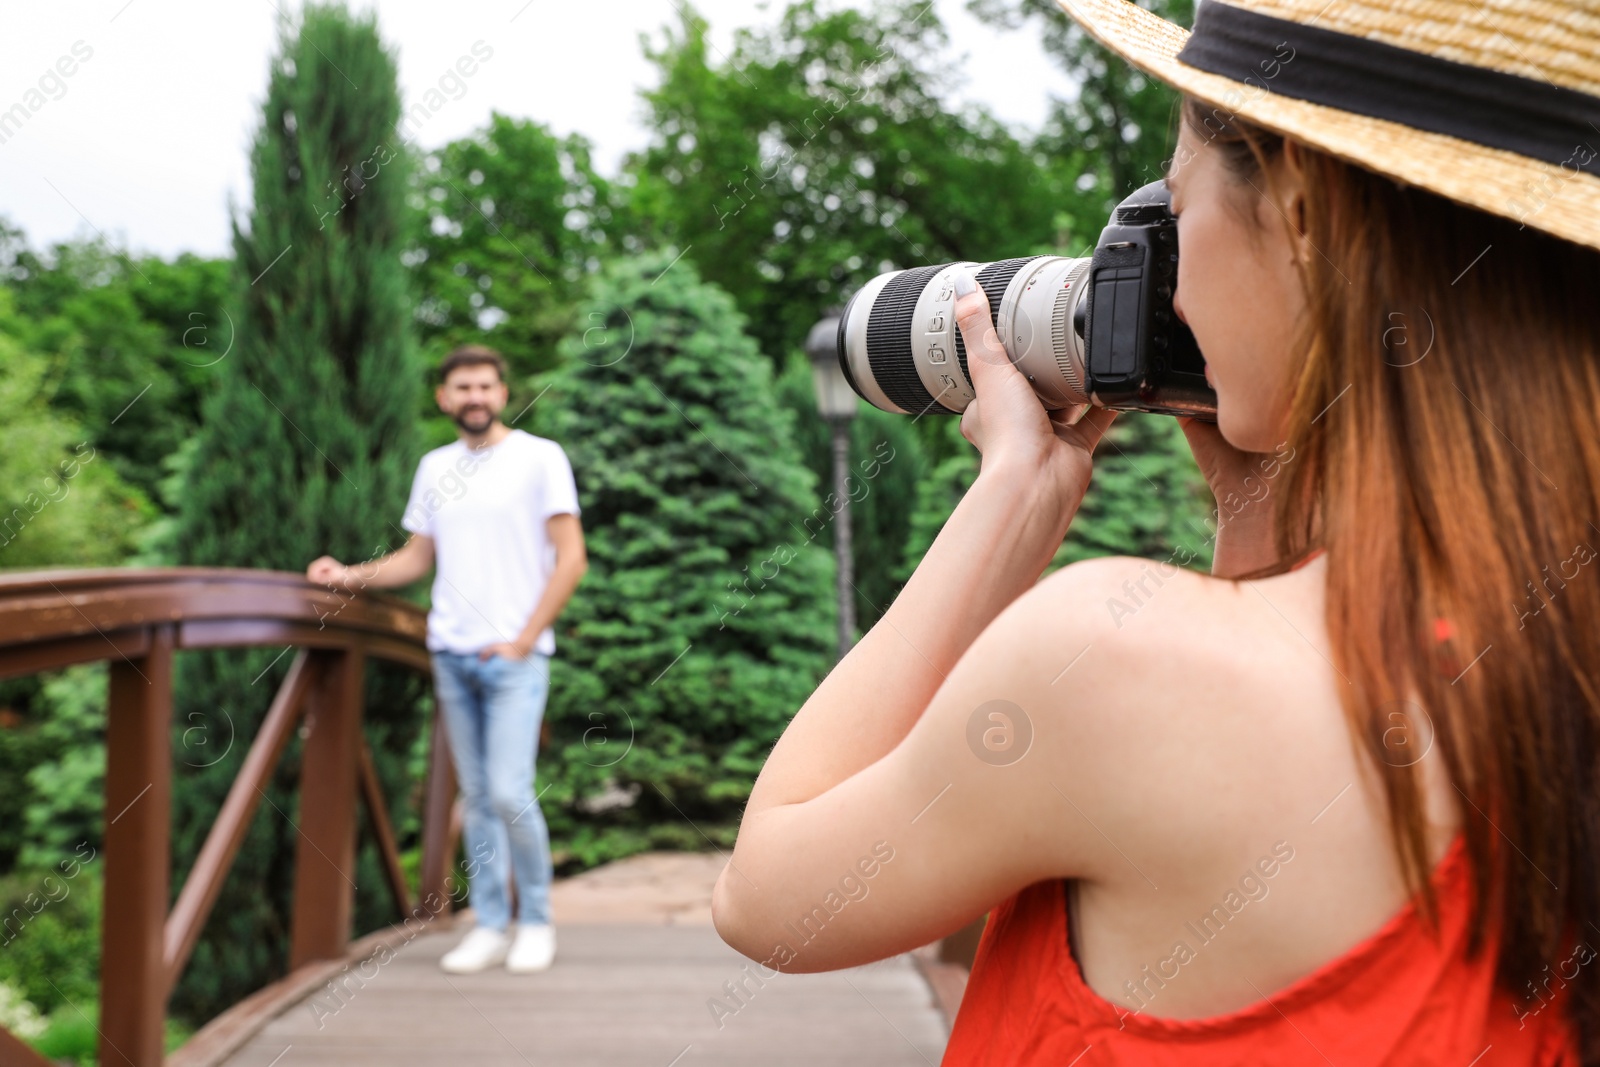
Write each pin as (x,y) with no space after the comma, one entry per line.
(148,137)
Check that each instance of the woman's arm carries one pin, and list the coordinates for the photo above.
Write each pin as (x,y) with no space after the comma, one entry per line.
(991,550)
(879,765)
(1016,772)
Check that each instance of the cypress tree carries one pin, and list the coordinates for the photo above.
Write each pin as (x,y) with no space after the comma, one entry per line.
(307,446)
(707,615)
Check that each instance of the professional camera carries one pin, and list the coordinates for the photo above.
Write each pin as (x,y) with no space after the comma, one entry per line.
(1098,330)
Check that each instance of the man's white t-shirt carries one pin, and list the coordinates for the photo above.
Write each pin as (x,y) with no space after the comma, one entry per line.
(486,513)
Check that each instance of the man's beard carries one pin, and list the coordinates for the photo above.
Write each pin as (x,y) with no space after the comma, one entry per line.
(464,414)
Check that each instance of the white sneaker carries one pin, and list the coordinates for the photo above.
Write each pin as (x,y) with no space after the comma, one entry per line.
(481,949)
(533,949)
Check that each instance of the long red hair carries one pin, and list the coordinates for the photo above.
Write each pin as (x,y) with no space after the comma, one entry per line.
(1446,426)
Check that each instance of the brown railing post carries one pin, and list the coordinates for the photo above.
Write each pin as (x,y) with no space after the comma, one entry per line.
(325,853)
(433,889)
(211,866)
(133,980)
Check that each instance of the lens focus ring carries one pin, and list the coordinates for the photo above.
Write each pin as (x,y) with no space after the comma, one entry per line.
(993,280)
(889,343)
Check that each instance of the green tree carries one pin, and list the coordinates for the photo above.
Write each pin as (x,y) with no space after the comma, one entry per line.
(61,501)
(706,617)
(821,153)
(66,786)
(308,445)
(128,341)
(512,222)
(815,155)
(1116,132)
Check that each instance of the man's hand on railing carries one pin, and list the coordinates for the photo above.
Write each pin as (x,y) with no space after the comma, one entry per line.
(325,570)
(401,567)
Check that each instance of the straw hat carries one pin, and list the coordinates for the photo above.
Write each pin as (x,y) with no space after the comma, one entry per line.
(1495,104)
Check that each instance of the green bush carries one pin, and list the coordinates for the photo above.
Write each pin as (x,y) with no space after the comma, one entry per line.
(18,1015)
(72,1035)
(706,618)
(50,932)
(66,788)
(22,747)
(61,502)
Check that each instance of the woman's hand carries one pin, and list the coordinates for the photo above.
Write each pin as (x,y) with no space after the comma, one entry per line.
(1008,424)
(1241,482)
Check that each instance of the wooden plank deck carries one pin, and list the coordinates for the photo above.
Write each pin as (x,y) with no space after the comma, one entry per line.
(635,992)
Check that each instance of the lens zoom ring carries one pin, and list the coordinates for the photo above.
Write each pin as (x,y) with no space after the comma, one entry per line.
(889,342)
(993,280)
(1061,328)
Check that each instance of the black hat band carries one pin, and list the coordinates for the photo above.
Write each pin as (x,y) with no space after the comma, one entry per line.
(1532,118)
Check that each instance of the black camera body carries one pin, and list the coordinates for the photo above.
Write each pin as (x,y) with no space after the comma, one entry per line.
(1095,330)
(1139,354)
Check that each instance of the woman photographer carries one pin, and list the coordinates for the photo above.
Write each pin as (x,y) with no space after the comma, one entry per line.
(1335,802)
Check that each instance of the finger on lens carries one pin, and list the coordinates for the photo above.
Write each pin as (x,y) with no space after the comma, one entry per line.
(977,328)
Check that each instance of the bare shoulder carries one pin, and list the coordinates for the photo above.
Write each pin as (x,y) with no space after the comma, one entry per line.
(1179,623)
(1178,706)
(1127,609)
(1120,587)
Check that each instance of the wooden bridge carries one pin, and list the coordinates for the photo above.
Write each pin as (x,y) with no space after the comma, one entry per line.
(640,976)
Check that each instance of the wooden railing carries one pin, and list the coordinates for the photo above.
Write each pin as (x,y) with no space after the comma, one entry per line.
(136,620)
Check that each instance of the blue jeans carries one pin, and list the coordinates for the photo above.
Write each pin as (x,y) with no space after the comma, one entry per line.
(492,710)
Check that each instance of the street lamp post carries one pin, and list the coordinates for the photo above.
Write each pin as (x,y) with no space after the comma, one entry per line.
(837,403)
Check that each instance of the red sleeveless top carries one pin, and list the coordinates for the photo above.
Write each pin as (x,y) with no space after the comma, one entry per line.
(1397,998)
